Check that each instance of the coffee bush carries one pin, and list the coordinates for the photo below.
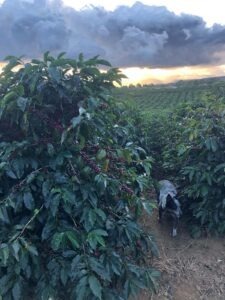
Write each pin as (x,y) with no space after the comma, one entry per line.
(71,188)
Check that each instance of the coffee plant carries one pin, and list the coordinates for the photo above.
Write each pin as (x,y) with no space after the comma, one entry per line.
(72,184)
(191,152)
(203,170)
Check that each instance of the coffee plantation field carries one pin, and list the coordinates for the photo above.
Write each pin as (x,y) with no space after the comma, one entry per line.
(181,126)
(160,99)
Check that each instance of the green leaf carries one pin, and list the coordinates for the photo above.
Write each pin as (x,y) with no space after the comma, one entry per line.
(204,190)
(32,249)
(19,89)
(51,150)
(147,166)
(18,167)
(4,253)
(99,268)
(81,288)
(61,54)
(103,62)
(101,180)
(46,56)
(81,57)
(64,275)
(92,217)
(101,154)
(54,73)
(219,167)
(16,248)
(214,145)
(73,239)
(100,240)
(31,177)
(95,237)
(9,96)
(4,217)
(57,240)
(54,201)
(148,207)
(16,291)
(100,213)
(2,165)
(95,286)
(45,189)
(126,154)
(22,103)
(64,136)
(11,174)
(100,232)
(28,200)
(36,61)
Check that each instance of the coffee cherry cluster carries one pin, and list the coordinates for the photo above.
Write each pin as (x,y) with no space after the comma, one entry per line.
(71,171)
(103,106)
(115,159)
(90,162)
(126,189)
(92,148)
(17,187)
(51,123)
(45,140)
(118,171)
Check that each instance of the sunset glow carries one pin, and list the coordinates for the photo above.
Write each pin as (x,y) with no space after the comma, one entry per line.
(159,75)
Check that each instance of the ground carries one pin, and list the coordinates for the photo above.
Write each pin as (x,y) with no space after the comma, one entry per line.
(191,269)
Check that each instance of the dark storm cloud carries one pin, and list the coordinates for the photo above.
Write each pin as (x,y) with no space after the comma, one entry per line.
(140,35)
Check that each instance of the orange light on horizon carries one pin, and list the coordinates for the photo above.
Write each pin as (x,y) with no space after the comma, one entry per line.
(2,64)
(168,75)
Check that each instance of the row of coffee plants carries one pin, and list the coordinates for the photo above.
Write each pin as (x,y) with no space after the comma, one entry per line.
(189,147)
(71,185)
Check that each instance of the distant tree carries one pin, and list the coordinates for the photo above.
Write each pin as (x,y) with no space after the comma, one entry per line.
(131,85)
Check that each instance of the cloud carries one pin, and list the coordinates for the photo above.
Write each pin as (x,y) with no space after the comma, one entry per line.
(141,35)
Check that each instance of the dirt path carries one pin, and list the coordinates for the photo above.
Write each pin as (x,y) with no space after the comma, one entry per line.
(192,269)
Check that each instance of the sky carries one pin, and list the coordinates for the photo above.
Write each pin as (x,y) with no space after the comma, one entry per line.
(152,41)
(211,10)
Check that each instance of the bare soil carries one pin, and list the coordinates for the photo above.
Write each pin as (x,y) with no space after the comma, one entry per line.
(191,269)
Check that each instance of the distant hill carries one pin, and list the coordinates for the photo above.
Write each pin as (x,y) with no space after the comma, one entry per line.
(202,81)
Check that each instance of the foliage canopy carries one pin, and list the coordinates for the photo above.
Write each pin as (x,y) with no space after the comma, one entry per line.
(70,180)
